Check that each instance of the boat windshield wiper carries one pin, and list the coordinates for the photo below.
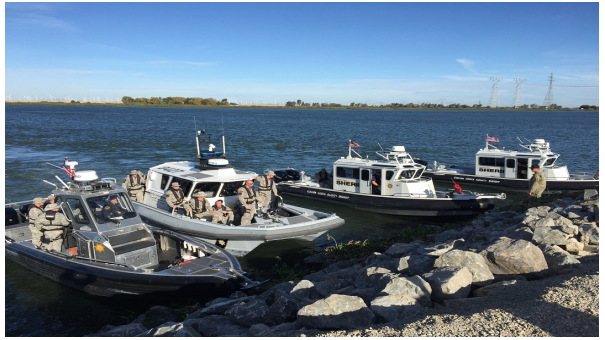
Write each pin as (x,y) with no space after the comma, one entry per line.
(107,219)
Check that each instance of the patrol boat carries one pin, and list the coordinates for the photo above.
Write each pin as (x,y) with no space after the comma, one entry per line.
(122,256)
(496,167)
(214,175)
(402,189)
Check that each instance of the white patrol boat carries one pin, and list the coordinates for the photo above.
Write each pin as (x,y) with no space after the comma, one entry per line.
(496,167)
(214,175)
(401,188)
(116,254)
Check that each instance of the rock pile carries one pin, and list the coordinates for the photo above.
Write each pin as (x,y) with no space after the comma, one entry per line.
(496,250)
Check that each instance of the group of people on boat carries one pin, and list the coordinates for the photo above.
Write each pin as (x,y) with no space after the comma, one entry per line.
(198,207)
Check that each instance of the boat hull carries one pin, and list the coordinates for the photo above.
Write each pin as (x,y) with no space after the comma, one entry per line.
(407,206)
(515,184)
(240,240)
(116,280)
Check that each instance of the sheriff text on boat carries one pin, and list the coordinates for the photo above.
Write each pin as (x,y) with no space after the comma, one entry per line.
(213,175)
(510,169)
(118,255)
(401,190)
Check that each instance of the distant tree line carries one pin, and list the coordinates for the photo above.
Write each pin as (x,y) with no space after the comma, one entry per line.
(195,101)
(435,106)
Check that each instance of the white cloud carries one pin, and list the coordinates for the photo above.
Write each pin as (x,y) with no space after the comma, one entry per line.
(467,64)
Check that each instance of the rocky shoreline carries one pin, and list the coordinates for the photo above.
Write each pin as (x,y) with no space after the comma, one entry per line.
(505,274)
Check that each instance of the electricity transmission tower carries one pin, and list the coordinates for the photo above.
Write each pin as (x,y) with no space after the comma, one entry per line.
(495,98)
(519,82)
(548,100)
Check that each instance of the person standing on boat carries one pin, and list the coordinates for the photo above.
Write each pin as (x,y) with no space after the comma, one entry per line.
(537,185)
(174,196)
(223,214)
(323,178)
(198,206)
(376,183)
(247,199)
(35,212)
(266,184)
(53,224)
(135,184)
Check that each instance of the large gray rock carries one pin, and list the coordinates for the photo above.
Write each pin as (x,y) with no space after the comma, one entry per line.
(130,330)
(547,235)
(590,194)
(305,292)
(519,232)
(590,233)
(251,313)
(574,246)
(280,329)
(172,329)
(394,307)
(402,249)
(369,276)
(557,258)
(221,307)
(329,286)
(214,325)
(412,265)
(158,315)
(442,248)
(336,312)
(284,308)
(475,263)
(508,256)
(446,236)
(414,287)
(449,283)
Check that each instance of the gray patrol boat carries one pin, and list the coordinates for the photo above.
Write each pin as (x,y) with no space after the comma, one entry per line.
(119,256)
(214,175)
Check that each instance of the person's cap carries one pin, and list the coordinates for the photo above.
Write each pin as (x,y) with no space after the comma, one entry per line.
(51,207)
(51,197)
(270,173)
(535,166)
(176,184)
(134,172)
(39,200)
(113,197)
(199,194)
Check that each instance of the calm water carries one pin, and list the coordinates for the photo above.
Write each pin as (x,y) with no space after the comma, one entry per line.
(115,140)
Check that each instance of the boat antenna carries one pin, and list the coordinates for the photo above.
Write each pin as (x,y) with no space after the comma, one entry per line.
(66,186)
(381,148)
(223,135)
(53,184)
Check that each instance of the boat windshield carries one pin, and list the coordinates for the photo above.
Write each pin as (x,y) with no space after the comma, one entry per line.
(230,188)
(550,161)
(114,206)
(210,188)
(406,174)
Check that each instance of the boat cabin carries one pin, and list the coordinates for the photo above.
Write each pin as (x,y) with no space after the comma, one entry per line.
(500,163)
(212,174)
(396,173)
(97,234)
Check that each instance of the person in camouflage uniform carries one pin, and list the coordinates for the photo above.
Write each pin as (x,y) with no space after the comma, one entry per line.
(35,211)
(223,214)
(135,184)
(174,196)
(537,185)
(247,199)
(53,224)
(266,185)
(198,206)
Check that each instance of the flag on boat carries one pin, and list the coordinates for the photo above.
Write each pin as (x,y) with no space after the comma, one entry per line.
(492,139)
(71,173)
(457,187)
(353,144)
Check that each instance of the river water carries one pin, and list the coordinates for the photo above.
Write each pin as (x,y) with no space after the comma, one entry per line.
(115,140)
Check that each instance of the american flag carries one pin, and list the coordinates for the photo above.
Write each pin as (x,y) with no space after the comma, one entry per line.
(353,144)
(71,173)
(492,139)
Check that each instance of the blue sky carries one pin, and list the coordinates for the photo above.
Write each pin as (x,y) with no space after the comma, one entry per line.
(317,52)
